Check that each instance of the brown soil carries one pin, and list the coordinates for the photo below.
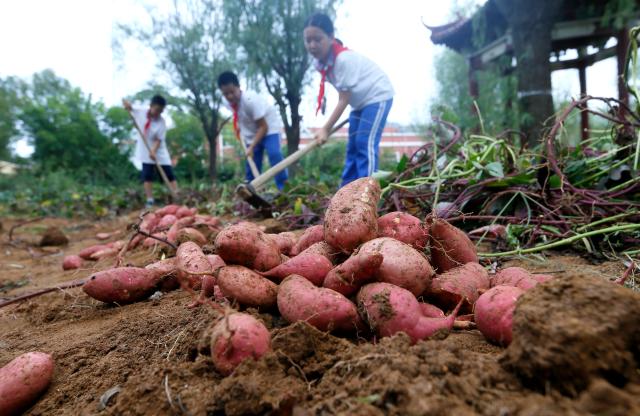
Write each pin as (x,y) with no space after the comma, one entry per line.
(154,353)
(585,318)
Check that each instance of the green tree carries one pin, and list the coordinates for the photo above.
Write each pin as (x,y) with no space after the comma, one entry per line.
(62,124)
(186,141)
(190,50)
(269,33)
(8,118)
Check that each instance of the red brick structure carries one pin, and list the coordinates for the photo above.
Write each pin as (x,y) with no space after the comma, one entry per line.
(395,140)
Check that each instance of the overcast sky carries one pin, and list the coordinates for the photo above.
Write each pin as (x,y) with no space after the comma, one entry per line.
(74,38)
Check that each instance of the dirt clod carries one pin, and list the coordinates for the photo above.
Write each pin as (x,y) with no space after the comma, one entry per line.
(569,331)
(53,236)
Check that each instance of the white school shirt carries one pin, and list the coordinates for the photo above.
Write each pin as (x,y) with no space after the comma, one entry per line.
(157,131)
(252,108)
(359,75)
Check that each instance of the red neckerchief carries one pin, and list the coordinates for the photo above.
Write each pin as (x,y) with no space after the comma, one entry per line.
(236,129)
(337,50)
(147,124)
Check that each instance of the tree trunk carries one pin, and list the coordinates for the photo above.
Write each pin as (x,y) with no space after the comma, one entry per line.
(212,138)
(293,132)
(531,32)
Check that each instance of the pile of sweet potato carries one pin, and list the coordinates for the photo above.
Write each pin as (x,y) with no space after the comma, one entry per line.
(356,274)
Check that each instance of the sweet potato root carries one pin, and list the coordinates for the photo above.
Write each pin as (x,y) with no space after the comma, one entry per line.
(402,265)
(167,209)
(191,234)
(71,262)
(493,313)
(324,249)
(23,380)
(247,287)
(326,309)
(285,241)
(351,218)
(312,267)
(166,221)
(389,309)
(88,251)
(431,311)
(168,272)
(246,245)
(450,246)
(311,236)
(403,227)
(354,272)
(191,259)
(514,276)
(235,338)
(462,283)
(122,285)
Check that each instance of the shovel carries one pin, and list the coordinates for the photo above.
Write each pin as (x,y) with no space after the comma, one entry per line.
(249,190)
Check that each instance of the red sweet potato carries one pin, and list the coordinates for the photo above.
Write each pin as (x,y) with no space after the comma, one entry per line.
(136,241)
(325,309)
(186,221)
(168,272)
(354,272)
(462,283)
(104,253)
(324,249)
(351,218)
(166,221)
(185,211)
(215,261)
(389,309)
(402,265)
(312,267)
(191,234)
(235,338)
(87,252)
(103,236)
(167,209)
(514,276)
(247,246)
(71,262)
(150,222)
(494,313)
(247,287)
(285,241)
(191,260)
(311,236)
(450,246)
(172,233)
(122,285)
(23,380)
(431,311)
(403,227)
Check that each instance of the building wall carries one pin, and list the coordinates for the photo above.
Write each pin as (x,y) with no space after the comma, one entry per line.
(393,140)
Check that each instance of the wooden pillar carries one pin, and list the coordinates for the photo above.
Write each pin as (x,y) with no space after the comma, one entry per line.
(474,90)
(621,53)
(584,116)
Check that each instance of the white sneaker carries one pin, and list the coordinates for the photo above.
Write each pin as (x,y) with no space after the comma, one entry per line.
(149,203)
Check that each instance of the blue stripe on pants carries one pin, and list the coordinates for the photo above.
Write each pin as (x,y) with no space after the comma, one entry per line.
(365,131)
(271,144)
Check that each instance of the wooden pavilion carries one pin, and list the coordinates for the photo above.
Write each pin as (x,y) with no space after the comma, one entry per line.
(582,25)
